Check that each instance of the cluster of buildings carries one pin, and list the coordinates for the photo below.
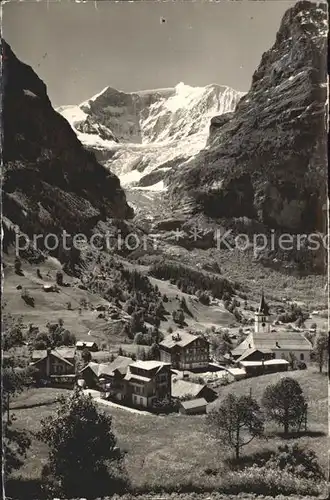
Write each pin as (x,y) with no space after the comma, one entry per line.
(148,383)
(266,350)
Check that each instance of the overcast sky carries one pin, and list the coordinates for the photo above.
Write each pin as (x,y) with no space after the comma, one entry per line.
(80,48)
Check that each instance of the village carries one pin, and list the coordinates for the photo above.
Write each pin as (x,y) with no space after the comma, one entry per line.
(185,377)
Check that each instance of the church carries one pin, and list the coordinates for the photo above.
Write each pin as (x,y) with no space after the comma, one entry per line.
(264,344)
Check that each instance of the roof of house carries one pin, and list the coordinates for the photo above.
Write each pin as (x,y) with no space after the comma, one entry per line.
(182,388)
(54,353)
(92,366)
(269,362)
(180,338)
(194,403)
(285,340)
(64,352)
(148,365)
(121,369)
(236,371)
(120,363)
(81,343)
(249,351)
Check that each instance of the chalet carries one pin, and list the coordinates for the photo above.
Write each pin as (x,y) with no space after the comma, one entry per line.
(148,381)
(264,344)
(67,353)
(137,383)
(96,373)
(91,346)
(193,406)
(185,351)
(55,365)
(182,389)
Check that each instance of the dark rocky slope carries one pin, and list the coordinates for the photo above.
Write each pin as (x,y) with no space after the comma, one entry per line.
(50,181)
(267,160)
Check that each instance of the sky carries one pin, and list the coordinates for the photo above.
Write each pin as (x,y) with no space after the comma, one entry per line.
(78,48)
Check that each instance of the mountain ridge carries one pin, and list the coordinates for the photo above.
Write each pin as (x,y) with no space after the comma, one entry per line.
(50,182)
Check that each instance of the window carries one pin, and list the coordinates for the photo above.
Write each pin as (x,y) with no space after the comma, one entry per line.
(141,401)
(301,357)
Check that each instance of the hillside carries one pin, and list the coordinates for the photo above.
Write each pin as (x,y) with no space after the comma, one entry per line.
(267,160)
(51,182)
(89,312)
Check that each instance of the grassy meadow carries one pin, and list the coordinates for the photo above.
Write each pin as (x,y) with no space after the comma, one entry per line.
(178,450)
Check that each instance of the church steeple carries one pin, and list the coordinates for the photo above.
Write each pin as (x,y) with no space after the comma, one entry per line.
(261,319)
(263,308)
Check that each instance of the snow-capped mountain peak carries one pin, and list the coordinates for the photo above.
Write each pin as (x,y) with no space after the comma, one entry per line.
(138,133)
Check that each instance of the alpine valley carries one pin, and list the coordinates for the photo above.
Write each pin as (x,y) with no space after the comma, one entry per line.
(176,176)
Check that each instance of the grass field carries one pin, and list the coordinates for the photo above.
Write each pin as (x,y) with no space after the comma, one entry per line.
(49,307)
(178,449)
(315,388)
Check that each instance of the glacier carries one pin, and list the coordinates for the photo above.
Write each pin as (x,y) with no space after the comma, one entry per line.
(140,136)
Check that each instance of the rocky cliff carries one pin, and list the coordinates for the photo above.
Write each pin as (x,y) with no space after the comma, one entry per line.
(267,160)
(51,182)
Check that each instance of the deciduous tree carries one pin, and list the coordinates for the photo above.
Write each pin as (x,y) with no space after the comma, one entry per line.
(15,442)
(321,349)
(237,421)
(285,403)
(82,448)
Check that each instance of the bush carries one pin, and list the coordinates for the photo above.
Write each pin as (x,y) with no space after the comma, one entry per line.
(204,298)
(297,461)
(42,341)
(296,313)
(68,338)
(86,356)
(12,335)
(140,339)
(59,278)
(178,317)
(28,299)
(265,481)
